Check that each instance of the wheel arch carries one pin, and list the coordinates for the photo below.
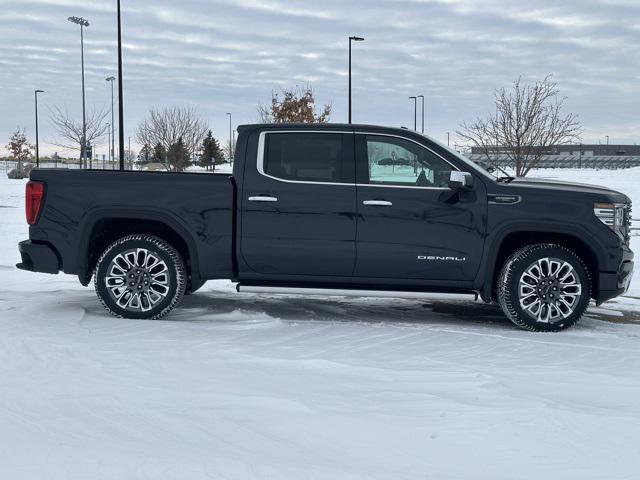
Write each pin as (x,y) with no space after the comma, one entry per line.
(511,240)
(103,227)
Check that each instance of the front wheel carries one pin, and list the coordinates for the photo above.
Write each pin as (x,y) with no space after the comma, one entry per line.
(544,287)
(140,276)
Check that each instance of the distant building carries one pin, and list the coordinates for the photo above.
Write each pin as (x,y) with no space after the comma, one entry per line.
(576,150)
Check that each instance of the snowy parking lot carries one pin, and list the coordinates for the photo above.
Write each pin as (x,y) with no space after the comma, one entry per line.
(236,386)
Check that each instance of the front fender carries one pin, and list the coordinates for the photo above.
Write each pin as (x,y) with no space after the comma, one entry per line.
(602,253)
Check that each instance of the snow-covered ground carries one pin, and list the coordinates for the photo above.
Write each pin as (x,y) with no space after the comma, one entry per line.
(253,387)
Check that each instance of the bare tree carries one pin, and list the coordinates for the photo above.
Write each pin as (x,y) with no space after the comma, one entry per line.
(296,106)
(130,157)
(227,150)
(168,125)
(69,130)
(527,123)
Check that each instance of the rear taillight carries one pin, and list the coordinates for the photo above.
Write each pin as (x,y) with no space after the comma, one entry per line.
(33,201)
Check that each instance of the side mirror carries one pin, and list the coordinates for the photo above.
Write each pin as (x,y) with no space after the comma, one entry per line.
(460,180)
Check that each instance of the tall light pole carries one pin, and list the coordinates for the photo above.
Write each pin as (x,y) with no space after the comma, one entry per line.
(447,139)
(120,97)
(422,97)
(109,138)
(354,39)
(112,146)
(83,147)
(35,94)
(415,113)
(230,141)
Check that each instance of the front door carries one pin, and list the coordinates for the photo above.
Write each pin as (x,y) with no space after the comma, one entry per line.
(410,224)
(299,203)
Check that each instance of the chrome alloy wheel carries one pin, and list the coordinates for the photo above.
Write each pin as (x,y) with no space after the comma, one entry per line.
(137,279)
(549,290)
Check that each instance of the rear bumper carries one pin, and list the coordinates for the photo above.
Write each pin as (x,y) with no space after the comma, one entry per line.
(38,257)
(612,284)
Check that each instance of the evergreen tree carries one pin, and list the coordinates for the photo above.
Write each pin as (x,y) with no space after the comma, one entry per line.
(146,154)
(159,154)
(178,157)
(211,153)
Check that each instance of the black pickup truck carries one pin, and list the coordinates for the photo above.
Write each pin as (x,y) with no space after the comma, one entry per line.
(333,210)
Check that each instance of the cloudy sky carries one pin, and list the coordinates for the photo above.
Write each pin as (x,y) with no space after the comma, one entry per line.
(229,55)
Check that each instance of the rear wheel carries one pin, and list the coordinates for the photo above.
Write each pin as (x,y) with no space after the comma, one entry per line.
(140,276)
(544,287)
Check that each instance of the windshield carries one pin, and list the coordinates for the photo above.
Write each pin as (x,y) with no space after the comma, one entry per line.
(473,166)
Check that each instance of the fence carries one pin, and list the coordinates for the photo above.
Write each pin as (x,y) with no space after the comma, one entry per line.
(7,165)
(613,162)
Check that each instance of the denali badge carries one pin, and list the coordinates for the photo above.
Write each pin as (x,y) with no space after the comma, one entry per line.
(441,259)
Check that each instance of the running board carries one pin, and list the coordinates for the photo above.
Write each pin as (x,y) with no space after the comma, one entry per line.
(337,292)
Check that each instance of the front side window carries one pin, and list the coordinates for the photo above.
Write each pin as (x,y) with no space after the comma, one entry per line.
(395,161)
(311,157)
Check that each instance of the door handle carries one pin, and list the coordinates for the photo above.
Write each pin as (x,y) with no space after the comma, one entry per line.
(263,198)
(381,203)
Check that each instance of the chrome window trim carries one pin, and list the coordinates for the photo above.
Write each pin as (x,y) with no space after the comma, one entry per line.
(261,152)
(400,186)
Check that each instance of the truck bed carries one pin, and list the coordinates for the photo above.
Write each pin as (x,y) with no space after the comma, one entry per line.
(84,205)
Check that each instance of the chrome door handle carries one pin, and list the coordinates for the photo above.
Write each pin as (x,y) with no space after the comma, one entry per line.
(381,203)
(263,198)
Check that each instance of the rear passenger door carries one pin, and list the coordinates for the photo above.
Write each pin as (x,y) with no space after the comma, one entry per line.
(299,204)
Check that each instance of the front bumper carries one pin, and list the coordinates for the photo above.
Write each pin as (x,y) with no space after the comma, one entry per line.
(612,284)
(38,257)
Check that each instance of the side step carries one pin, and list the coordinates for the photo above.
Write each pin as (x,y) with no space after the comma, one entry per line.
(337,292)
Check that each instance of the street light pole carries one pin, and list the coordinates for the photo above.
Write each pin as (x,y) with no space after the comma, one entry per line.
(415,113)
(108,144)
(112,146)
(355,39)
(230,141)
(422,97)
(120,99)
(83,147)
(447,139)
(35,94)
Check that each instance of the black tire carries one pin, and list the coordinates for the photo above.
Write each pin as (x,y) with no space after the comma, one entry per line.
(518,291)
(153,273)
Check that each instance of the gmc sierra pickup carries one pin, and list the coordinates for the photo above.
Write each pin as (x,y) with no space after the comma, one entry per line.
(333,210)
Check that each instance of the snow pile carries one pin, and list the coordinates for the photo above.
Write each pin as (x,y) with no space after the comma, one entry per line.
(251,387)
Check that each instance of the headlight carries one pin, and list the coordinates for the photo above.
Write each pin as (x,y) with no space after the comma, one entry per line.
(615,216)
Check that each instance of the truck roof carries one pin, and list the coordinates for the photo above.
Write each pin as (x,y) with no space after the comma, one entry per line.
(327,126)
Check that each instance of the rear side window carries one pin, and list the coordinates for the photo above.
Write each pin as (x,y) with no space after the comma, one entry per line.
(310,157)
